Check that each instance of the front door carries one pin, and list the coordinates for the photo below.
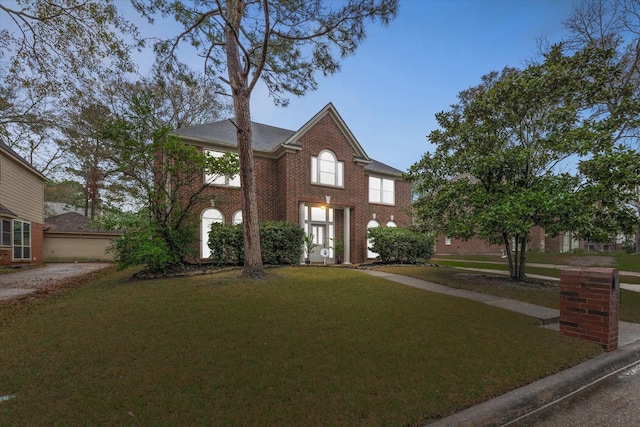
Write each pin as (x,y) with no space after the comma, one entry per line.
(319,238)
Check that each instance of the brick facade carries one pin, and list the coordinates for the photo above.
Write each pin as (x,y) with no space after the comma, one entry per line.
(284,182)
(589,305)
(540,242)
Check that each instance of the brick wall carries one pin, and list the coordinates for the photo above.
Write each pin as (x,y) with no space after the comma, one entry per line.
(589,305)
(283,183)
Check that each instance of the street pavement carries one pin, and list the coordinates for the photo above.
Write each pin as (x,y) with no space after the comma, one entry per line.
(614,402)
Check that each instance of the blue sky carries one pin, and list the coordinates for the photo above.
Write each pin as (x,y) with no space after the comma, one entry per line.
(389,91)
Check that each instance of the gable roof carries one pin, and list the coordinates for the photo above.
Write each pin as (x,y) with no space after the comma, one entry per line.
(330,110)
(9,151)
(271,140)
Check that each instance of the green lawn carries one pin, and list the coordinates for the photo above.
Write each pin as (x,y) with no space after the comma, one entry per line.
(306,346)
(502,265)
(624,262)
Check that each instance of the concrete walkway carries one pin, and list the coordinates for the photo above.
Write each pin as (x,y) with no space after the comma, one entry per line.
(27,281)
(518,403)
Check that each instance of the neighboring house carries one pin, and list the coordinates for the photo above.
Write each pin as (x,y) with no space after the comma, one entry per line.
(21,210)
(318,176)
(540,242)
(67,237)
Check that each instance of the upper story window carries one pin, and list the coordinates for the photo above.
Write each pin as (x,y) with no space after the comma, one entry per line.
(327,170)
(382,191)
(217,179)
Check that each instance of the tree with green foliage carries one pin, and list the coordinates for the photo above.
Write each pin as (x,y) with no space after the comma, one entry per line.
(87,151)
(502,160)
(613,24)
(165,175)
(282,44)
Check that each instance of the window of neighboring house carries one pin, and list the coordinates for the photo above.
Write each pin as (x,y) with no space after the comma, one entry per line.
(237,218)
(327,170)
(217,179)
(5,233)
(209,216)
(21,240)
(381,190)
(447,241)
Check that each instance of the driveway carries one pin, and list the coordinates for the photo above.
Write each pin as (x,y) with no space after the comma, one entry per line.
(24,282)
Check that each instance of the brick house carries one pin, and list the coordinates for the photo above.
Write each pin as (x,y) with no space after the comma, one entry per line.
(21,210)
(318,176)
(540,242)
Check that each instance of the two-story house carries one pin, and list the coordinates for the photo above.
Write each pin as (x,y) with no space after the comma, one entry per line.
(318,176)
(21,210)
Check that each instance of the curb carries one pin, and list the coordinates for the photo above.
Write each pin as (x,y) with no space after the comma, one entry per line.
(517,404)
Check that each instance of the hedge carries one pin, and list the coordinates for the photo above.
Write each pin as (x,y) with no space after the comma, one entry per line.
(401,245)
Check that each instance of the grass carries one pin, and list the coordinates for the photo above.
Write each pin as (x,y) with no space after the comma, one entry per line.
(306,346)
(547,296)
(501,265)
(624,262)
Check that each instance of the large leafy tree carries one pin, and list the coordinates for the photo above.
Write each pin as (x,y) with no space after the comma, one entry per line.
(162,174)
(502,162)
(281,43)
(613,24)
(88,153)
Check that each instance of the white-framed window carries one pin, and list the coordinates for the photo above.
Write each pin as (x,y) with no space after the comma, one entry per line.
(391,224)
(5,232)
(209,216)
(382,190)
(21,240)
(237,217)
(371,224)
(447,241)
(327,170)
(217,179)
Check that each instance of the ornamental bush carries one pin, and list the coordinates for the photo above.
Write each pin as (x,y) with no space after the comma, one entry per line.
(280,242)
(226,242)
(401,245)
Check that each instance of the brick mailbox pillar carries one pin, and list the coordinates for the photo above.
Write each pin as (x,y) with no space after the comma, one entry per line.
(589,303)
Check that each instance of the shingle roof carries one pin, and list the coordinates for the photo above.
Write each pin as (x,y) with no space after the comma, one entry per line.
(6,212)
(70,222)
(269,138)
(379,167)
(265,138)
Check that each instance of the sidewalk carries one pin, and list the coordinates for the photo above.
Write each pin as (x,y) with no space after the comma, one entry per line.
(517,403)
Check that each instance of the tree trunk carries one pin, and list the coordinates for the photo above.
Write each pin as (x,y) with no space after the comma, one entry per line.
(523,258)
(507,248)
(241,103)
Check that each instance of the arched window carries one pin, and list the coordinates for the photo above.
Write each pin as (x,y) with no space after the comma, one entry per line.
(371,224)
(391,224)
(237,217)
(209,216)
(327,170)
